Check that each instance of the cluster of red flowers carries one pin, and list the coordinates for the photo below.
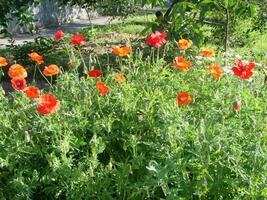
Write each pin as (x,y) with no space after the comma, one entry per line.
(76,39)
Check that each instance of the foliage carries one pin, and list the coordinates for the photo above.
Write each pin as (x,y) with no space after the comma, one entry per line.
(105,7)
(192,13)
(136,142)
(118,7)
(19,10)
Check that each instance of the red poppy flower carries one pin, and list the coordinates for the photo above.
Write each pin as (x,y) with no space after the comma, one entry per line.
(157,39)
(36,57)
(243,70)
(78,39)
(183,98)
(95,73)
(102,88)
(51,70)
(32,92)
(19,84)
(47,104)
(58,35)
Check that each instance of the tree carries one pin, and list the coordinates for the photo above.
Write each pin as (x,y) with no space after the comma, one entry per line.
(10,9)
(106,7)
(226,10)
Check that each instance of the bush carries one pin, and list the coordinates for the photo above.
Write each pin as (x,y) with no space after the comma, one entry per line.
(10,10)
(135,142)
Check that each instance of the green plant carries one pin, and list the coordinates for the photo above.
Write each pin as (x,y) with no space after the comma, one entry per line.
(184,18)
(135,142)
(16,9)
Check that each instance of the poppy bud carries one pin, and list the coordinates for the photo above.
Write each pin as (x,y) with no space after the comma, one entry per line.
(228,95)
(27,137)
(236,105)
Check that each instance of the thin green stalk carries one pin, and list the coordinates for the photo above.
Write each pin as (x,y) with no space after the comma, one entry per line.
(34,73)
(51,78)
(129,62)
(1,74)
(84,65)
(108,64)
(45,78)
(153,54)
(164,50)
(120,64)
(158,55)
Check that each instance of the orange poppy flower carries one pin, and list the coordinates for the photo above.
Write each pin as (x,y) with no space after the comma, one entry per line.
(18,84)
(47,104)
(216,70)
(181,63)
(32,92)
(3,62)
(121,51)
(102,88)
(36,57)
(17,71)
(184,44)
(120,78)
(207,53)
(51,70)
(183,98)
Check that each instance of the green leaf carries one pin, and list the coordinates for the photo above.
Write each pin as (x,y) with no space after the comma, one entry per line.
(252,10)
(203,12)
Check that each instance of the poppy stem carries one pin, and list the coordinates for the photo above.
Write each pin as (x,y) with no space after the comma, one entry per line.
(164,51)
(1,74)
(108,64)
(84,65)
(129,62)
(34,73)
(67,47)
(153,55)
(45,78)
(158,55)
(241,89)
(120,63)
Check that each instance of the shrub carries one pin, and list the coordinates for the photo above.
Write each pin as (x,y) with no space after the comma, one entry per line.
(134,141)
(10,9)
